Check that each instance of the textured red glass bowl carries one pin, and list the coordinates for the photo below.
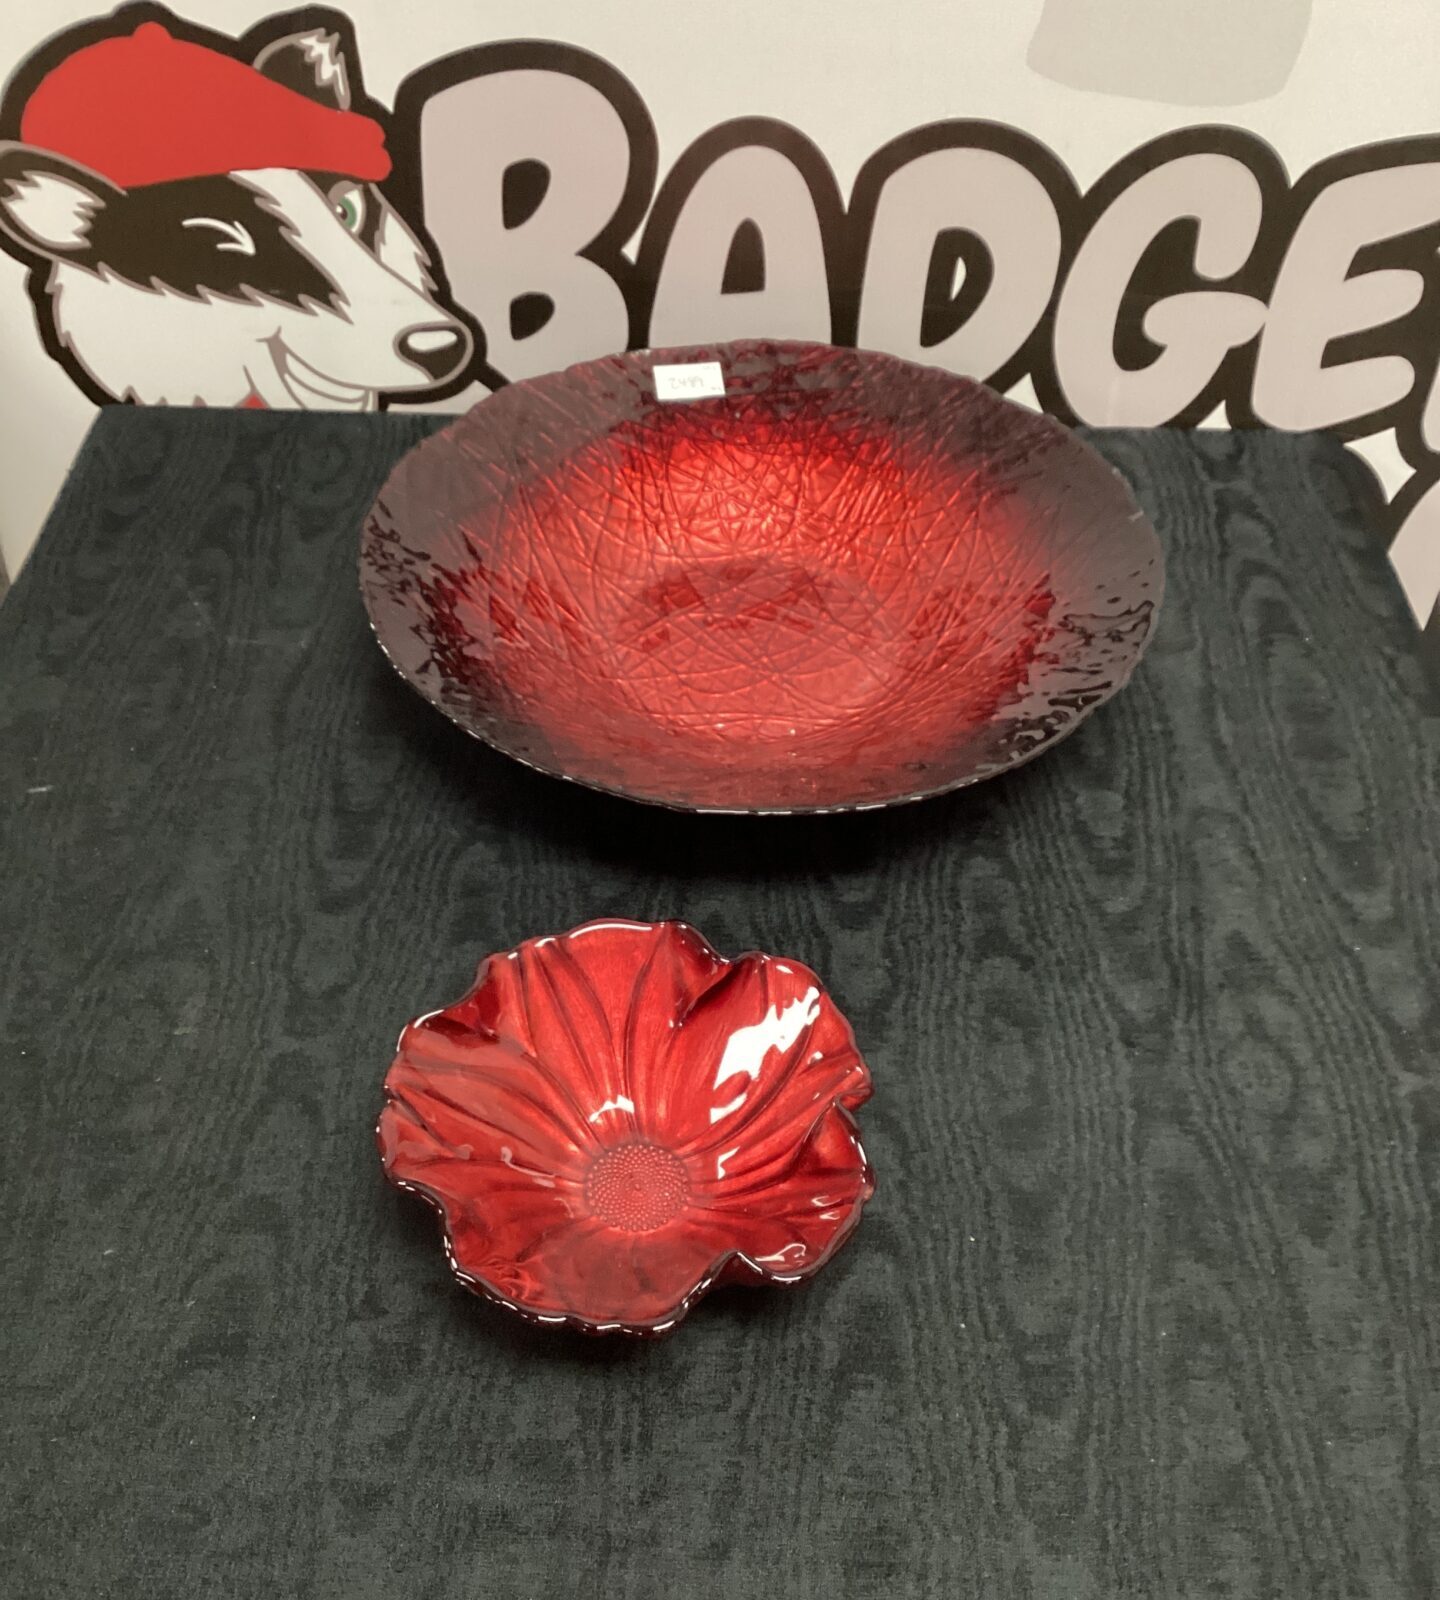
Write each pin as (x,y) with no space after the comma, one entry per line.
(849,581)
(616,1120)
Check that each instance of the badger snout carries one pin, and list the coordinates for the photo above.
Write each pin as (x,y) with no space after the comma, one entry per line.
(439,349)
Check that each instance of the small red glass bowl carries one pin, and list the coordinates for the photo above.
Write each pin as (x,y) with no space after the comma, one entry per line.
(847,581)
(616,1120)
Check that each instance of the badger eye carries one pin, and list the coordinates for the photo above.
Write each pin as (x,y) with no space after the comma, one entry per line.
(347,201)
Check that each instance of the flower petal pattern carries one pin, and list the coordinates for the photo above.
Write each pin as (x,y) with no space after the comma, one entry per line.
(615,1119)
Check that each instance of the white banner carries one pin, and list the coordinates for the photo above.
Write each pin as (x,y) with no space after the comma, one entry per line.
(1124,211)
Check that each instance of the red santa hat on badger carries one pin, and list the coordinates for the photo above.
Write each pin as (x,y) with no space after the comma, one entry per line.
(150,108)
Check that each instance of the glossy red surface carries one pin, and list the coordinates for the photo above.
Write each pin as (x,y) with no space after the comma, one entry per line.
(849,581)
(614,1121)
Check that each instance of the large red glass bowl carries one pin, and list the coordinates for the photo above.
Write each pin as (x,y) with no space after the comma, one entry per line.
(614,1121)
(848,581)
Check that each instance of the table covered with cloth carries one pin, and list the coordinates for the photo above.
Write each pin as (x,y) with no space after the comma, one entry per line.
(1146,1303)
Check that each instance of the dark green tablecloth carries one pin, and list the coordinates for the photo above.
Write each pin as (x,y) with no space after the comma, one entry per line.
(1147,1303)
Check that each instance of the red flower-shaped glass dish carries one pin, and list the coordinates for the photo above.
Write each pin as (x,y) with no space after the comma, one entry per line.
(613,1121)
(847,581)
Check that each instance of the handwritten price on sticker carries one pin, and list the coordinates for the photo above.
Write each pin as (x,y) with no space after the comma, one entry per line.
(691,380)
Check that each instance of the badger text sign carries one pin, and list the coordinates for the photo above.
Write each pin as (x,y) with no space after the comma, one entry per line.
(261,232)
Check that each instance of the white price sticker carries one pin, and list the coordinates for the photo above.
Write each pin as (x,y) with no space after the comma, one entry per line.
(690,380)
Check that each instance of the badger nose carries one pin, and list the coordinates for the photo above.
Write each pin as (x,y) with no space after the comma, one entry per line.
(439,349)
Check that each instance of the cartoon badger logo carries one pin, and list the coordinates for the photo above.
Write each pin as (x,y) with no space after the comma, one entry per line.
(203,230)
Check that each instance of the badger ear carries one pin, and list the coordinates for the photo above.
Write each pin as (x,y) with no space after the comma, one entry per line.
(48,205)
(312,64)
